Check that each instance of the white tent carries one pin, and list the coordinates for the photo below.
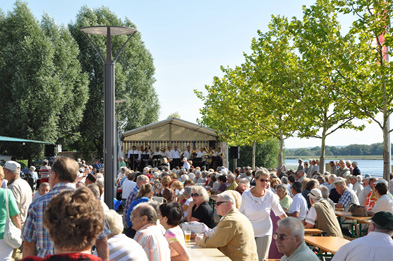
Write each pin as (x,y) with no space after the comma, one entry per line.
(173,132)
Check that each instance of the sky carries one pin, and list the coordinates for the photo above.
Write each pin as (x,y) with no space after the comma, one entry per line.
(190,40)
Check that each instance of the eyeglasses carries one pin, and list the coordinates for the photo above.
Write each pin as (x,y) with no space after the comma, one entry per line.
(280,237)
(219,203)
(194,195)
(264,180)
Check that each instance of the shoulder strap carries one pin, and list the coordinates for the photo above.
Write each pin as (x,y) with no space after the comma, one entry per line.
(6,202)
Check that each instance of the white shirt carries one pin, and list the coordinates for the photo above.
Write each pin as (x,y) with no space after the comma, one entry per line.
(200,154)
(384,203)
(257,210)
(363,194)
(357,187)
(373,247)
(187,154)
(128,186)
(168,154)
(132,152)
(299,204)
(186,165)
(158,153)
(187,203)
(175,154)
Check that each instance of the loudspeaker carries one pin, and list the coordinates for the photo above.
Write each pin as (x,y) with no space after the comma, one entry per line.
(49,150)
(234,152)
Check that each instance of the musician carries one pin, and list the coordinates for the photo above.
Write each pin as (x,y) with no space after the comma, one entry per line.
(194,152)
(132,161)
(157,155)
(218,158)
(144,161)
(187,153)
(201,153)
(175,156)
(168,153)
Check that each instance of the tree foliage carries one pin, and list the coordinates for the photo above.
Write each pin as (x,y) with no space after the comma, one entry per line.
(134,78)
(320,43)
(43,89)
(369,78)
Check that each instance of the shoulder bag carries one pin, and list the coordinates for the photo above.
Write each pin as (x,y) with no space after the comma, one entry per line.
(12,234)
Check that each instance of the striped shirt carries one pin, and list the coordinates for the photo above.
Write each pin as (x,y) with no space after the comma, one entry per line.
(123,248)
(154,243)
(33,229)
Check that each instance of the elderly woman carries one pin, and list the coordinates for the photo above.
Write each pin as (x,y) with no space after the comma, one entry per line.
(384,203)
(283,194)
(121,247)
(6,250)
(170,217)
(257,203)
(74,220)
(200,209)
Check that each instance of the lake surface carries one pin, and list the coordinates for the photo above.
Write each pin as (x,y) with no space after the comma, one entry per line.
(372,167)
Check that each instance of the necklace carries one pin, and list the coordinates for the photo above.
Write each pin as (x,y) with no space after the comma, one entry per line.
(257,200)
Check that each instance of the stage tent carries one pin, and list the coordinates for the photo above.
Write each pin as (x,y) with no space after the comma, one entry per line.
(172,132)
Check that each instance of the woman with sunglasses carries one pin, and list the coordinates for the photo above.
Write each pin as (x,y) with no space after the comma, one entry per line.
(200,209)
(257,204)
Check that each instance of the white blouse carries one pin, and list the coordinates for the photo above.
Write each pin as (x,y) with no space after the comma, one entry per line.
(257,210)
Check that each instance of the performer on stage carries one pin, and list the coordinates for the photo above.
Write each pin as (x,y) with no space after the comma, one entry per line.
(187,153)
(157,156)
(168,153)
(175,155)
(132,156)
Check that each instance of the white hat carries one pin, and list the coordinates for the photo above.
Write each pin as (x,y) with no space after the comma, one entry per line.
(11,165)
(316,194)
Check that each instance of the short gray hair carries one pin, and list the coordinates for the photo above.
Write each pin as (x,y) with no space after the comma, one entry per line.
(201,191)
(231,176)
(324,191)
(143,178)
(94,188)
(147,210)
(262,172)
(294,224)
(187,191)
(227,196)
(283,188)
(115,221)
(340,182)
(245,181)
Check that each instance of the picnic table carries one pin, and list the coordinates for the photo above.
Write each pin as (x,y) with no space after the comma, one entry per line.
(312,231)
(203,253)
(356,222)
(326,244)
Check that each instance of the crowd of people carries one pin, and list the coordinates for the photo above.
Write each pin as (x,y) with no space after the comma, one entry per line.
(263,212)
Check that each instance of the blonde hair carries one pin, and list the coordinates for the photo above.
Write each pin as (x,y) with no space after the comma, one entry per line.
(115,222)
(144,190)
(177,185)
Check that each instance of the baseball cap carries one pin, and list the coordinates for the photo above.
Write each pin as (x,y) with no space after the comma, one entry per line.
(12,165)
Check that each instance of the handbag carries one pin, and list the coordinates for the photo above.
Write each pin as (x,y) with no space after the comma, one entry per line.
(357,210)
(12,234)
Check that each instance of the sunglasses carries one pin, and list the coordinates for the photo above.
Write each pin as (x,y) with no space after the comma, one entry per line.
(264,180)
(280,237)
(219,203)
(194,195)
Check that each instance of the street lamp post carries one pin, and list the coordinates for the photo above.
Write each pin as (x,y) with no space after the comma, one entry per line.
(110,148)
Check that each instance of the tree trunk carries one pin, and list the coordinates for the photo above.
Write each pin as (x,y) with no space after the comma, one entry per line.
(254,145)
(386,138)
(322,158)
(280,154)
(386,154)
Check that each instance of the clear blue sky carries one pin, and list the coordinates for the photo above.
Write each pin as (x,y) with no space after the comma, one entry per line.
(190,40)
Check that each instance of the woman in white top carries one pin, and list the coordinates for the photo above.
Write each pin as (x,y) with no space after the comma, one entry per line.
(257,203)
(384,203)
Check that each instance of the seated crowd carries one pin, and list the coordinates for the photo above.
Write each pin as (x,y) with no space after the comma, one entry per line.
(264,213)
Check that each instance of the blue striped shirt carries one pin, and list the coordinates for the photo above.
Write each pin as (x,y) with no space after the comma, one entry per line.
(33,230)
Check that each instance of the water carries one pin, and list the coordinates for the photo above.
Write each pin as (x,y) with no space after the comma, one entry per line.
(372,167)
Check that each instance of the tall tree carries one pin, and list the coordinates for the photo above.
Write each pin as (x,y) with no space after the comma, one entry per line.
(134,77)
(319,41)
(276,75)
(369,78)
(37,89)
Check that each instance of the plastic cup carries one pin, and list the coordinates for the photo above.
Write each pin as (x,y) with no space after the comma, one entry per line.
(199,236)
(187,235)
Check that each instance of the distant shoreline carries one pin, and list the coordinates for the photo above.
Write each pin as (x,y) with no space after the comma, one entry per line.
(345,157)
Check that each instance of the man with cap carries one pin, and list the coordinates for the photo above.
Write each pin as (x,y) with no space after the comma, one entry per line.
(90,179)
(19,187)
(186,165)
(321,215)
(377,245)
